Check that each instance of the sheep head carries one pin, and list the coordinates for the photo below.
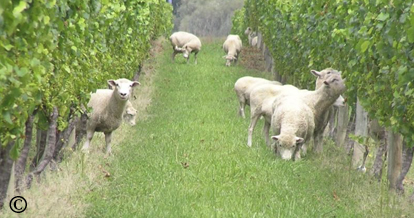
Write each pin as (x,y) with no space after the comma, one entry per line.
(247,31)
(288,145)
(322,75)
(123,87)
(229,59)
(335,84)
(186,51)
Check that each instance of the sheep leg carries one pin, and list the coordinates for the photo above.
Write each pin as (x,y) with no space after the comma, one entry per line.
(253,122)
(266,128)
(195,57)
(108,137)
(241,109)
(89,136)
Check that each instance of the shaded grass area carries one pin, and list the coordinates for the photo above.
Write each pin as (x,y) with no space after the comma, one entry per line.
(189,158)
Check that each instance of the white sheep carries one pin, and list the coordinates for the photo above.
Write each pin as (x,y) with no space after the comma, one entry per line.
(262,97)
(244,85)
(322,119)
(292,123)
(130,113)
(108,107)
(232,47)
(251,35)
(254,41)
(317,101)
(261,104)
(186,43)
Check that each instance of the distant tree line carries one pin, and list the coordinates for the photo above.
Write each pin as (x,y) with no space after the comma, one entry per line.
(205,18)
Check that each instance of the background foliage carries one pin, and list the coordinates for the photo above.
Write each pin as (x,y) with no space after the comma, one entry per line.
(206,18)
(370,41)
(54,53)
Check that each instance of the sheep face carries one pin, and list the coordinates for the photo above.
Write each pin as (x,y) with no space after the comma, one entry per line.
(322,75)
(130,116)
(335,84)
(123,87)
(288,145)
(229,59)
(186,51)
(247,31)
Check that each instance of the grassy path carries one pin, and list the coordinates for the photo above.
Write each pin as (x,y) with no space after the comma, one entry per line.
(189,158)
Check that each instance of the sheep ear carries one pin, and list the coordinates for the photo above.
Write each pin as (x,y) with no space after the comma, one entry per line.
(299,140)
(276,137)
(316,73)
(135,83)
(112,83)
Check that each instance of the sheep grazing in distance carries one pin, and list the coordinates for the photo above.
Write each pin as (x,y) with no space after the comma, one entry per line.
(244,86)
(232,47)
(322,119)
(108,107)
(261,104)
(186,43)
(251,35)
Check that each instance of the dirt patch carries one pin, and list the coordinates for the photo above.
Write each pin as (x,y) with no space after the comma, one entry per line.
(252,58)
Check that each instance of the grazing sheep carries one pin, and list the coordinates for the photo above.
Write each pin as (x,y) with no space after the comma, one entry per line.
(250,35)
(108,107)
(321,121)
(317,102)
(186,43)
(292,123)
(244,86)
(232,47)
(261,101)
(262,97)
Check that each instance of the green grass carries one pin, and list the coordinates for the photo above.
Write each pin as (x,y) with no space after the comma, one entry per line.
(189,158)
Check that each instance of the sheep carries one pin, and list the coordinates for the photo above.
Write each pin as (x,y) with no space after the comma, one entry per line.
(108,107)
(251,35)
(321,121)
(261,101)
(262,97)
(186,43)
(232,47)
(254,41)
(244,86)
(292,122)
(130,113)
